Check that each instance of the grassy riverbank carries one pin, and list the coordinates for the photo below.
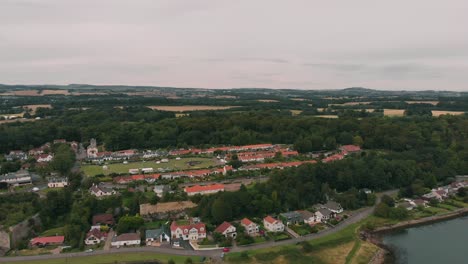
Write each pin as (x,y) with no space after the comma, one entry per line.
(340,247)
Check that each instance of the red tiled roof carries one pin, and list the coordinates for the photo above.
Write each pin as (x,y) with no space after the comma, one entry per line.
(334,157)
(47,240)
(201,228)
(351,148)
(107,219)
(127,237)
(246,221)
(136,177)
(96,233)
(221,228)
(270,219)
(200,188)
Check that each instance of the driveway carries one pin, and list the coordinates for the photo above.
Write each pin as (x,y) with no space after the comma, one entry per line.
(107,245)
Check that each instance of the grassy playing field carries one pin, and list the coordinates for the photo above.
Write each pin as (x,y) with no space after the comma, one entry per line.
(173,164)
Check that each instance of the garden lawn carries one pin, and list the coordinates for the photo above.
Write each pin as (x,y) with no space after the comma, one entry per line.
(172,165)
(53,232)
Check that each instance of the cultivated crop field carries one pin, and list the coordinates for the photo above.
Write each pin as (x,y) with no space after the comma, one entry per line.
(35,107)
(394,112)
(186,108)
(439,113)
(172,165)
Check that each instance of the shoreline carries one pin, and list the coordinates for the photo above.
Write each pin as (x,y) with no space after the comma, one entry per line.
(386,254)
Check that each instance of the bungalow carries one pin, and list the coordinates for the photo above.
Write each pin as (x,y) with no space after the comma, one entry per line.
(95,236)
(307,216)
(160,190)
(188,232)
(250,227)
(273,225)
(16,155)
(323,215)
(291,218)
(206,189)
(103,219)
(226,229)
(333,206)
(126,239)
(157,236)
(56,182)
(99,190)
(44,158)
(350,148)
(45,241)
(36,151)
(18,178)
(334,157)
(439,195)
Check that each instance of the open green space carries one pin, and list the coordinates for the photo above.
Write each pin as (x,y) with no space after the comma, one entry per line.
(172,165)
(53,232)
(332,246)
(114,258)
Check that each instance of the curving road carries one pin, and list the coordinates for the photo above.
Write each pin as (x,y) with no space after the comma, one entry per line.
(356,217)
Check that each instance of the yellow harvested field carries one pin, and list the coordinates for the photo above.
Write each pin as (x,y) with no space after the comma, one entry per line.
(267,101)
(394,112)
(55,92)
(35,107)
(299,99)
(295,112)
(186,108)
(327,116)
(439,113)
(351,103)
(422,102)
(88,93)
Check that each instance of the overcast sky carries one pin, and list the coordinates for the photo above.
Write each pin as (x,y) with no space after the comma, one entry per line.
(309,44)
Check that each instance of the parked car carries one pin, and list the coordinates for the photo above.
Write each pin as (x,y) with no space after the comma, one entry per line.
(226,249)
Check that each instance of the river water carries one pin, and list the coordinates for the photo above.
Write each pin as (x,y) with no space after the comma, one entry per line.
(444,242)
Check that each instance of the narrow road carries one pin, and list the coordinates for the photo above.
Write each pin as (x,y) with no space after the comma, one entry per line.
(107,245)
(358,216)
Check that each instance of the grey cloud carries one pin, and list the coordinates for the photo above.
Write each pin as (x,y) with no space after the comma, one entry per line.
(307,44)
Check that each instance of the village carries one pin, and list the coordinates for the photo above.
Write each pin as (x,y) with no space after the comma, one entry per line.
(170,224)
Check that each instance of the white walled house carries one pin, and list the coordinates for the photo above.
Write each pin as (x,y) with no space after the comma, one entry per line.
(95,236)
(250,227)
(226,229)
(126,239)
(98,190)
(273,225)
(44,158)
(57,182)
(188,232)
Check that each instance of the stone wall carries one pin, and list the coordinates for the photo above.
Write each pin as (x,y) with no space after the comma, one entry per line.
(22,230)
(4,242)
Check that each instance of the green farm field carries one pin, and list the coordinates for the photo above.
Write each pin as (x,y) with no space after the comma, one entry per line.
(172,165)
